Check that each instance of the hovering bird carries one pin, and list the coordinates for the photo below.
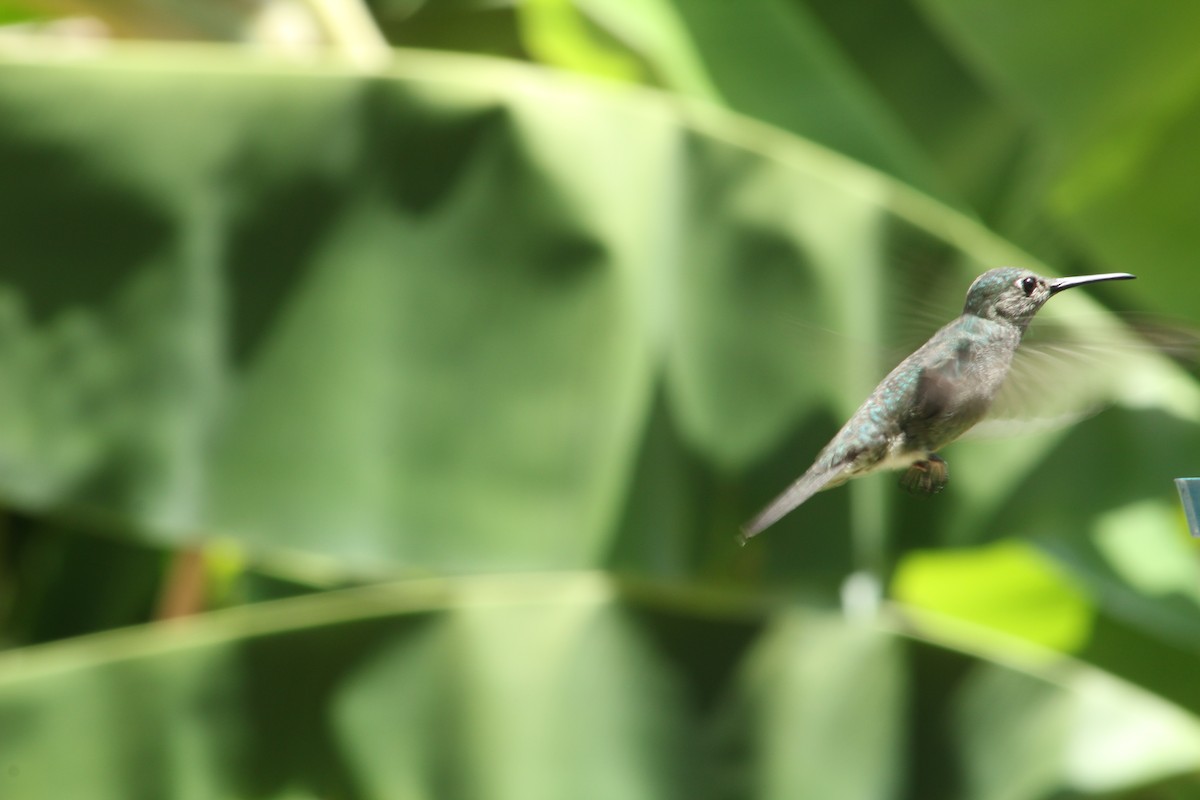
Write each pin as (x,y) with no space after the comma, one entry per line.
(935,395)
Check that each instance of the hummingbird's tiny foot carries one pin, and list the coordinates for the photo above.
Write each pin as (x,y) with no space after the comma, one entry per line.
(939,473)
(926,477)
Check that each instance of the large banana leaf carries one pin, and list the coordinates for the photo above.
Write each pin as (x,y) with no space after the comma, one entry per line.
(462,316)
(421,319)
(547,687)
(1111,93)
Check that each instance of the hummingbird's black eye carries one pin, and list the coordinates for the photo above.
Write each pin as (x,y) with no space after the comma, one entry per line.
(1028,285)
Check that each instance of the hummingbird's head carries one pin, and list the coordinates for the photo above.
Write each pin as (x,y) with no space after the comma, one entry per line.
(1010,294)
(1014,295)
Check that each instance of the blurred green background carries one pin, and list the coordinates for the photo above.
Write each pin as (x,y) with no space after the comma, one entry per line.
(382,385)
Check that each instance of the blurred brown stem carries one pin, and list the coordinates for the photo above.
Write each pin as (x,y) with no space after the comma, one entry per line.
(183,590)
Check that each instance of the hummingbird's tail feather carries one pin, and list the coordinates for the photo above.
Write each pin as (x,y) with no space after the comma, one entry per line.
(805,487)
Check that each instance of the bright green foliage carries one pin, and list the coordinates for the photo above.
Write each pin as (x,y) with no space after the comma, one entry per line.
(507,354)
(1007,587)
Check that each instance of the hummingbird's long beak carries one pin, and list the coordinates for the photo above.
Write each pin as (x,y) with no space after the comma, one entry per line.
(1058,284)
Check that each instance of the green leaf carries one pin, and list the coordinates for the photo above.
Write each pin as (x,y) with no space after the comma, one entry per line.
(1026,738)
(418,321)
(1113,98)
(556,34)
(545,686)
(771,60)
(1007,586)
(463,316)
(827,701)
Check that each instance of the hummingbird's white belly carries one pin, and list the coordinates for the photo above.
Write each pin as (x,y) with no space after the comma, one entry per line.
(897,459)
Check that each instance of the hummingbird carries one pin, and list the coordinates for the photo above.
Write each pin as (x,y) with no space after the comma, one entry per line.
(935,395)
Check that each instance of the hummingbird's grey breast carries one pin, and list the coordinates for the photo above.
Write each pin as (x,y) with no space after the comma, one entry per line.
(929,400)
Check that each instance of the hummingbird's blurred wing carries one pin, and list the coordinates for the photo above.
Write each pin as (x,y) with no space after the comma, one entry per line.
(1058,378)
